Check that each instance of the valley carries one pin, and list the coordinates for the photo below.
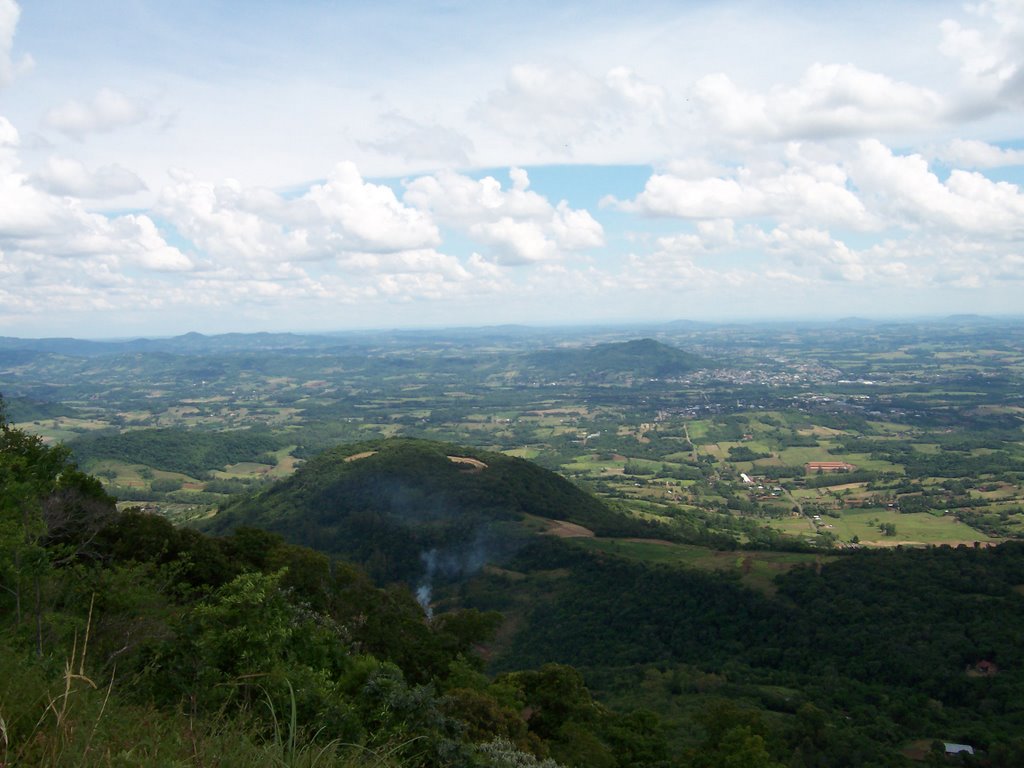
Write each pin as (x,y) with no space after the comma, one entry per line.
(799,535)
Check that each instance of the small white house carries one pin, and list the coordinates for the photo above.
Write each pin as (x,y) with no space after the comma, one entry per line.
(958,749)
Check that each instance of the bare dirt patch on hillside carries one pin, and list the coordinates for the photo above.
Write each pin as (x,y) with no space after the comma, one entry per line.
(473,465)
(358,456)
(566,530)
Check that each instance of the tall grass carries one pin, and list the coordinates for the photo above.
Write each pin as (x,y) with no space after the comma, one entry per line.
(67,720)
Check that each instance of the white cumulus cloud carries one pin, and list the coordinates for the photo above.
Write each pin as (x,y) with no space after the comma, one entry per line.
(903,188)
(991,54)
(970,153)
(107,111)
(797,191)
(41,229)
(66,176)
(370,214)
(519,225)
(829,100)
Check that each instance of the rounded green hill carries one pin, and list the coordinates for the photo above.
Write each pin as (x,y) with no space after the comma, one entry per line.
(386,503)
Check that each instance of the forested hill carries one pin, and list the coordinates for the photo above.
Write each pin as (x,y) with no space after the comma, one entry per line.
(386,503)
(640,358)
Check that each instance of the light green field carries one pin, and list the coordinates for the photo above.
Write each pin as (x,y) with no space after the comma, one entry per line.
(244,470)
(386,430)
(649,466)
(523,453)
(793,457)
(594,465)
(127,475)
(892,428)
(1001,493)
(755,569)
(916,528)
(160,474)
(797,456)
(864,461)
(806,494)
(697,429)
(681,457)
(716,450)
(61,429)
(286,463)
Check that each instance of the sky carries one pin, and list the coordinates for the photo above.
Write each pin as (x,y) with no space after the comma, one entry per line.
(218,166)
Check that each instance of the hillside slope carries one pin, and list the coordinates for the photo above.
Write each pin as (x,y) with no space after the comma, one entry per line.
(402,507)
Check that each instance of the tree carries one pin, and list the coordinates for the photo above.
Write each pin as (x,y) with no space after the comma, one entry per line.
(28,472)
(49,511)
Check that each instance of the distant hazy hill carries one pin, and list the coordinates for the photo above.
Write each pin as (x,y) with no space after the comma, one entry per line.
(402,506)
(644,358)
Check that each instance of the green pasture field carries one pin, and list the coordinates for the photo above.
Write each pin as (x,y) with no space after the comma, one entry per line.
(847,489)
(698,429)
(819,431)
(244,470)
(1001,410)
(543,420)
(757,424)
(807,494)
(385,430)
(680,457)
(61,428)
(126,475)
(650,466)
(864,461)
(651,492)
(918,528)
(755,569)
(1002,492)
(716,450)
(647,509)
(982,451)
(286,463)
(796,456)
(161,474)
(523,453)
(591,463)
(564,429)
(475,427)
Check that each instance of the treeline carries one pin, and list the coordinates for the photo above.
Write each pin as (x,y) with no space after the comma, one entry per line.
(20,409)
(825,479)
(191,452)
